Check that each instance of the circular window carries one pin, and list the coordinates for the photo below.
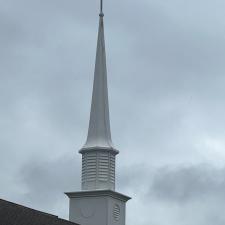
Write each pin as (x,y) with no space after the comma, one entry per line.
(116,212)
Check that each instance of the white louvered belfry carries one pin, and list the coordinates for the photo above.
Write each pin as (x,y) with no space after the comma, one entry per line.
(98,170)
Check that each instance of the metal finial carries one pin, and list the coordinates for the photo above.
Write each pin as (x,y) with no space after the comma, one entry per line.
(101,9)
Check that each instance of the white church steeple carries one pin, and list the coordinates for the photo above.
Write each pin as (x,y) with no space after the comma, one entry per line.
(98,203)
(98,153)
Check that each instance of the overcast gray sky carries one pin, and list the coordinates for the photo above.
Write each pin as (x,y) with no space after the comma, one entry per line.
(166,89)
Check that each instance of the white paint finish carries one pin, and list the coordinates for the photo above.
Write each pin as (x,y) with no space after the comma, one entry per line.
(98,153)
(88,211)
(99,134)
(122,217)
(98,170)
(97,207)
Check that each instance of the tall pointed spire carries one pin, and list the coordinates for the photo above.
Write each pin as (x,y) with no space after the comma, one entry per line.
(99,134)
(98,203)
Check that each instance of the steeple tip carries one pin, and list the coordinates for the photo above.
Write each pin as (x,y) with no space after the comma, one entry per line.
(101,14)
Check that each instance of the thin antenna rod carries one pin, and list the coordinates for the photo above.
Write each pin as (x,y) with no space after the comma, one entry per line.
(101,7)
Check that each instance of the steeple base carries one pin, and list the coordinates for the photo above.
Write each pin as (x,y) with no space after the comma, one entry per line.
(101,207)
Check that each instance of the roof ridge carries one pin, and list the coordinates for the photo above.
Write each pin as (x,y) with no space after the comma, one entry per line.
(26,207)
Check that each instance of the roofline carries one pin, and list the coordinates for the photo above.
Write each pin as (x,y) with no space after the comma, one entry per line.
(13,203)
(38,211)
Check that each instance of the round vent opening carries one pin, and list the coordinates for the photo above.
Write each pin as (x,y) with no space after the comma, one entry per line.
(116,212)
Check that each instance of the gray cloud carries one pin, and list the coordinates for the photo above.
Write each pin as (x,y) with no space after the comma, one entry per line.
(45,182)
(191,194)
(189,184)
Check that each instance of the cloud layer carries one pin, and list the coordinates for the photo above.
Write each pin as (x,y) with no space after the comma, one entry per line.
(166,90)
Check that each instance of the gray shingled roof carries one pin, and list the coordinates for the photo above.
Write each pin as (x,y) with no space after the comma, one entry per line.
(14,214)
